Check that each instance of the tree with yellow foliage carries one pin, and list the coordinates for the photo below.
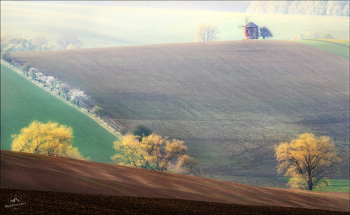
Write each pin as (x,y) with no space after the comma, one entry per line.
(148,153)
(307,160)
(187,164)
(46,139)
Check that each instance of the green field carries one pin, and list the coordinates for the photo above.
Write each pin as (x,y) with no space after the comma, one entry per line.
(113,26)
(338,47)
(22,102)
(231,102)
(337,185)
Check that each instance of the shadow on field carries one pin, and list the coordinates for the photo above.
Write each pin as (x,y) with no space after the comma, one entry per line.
(46,202)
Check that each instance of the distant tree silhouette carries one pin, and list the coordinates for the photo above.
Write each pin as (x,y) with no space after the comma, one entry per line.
(141,131)
(6,56)
(26,67)
(265,32)
(206,33)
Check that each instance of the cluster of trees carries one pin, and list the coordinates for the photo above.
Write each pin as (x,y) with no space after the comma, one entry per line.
(147,151)
(328,8)
(208,32)
(46,139)
(14,44)
(308,161)
(313,35)
(75,95)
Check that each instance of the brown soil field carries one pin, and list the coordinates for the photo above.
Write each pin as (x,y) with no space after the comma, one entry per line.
(230,102)
(24,172)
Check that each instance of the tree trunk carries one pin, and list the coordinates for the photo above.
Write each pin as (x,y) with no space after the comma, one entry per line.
(310,183)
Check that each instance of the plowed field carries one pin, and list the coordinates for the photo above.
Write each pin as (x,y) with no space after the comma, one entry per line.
(25,171)
(231,102)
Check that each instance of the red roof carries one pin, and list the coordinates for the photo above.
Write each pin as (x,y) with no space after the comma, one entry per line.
(251,25)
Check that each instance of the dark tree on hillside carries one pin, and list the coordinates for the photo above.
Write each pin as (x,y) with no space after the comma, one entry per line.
(140,130)
(265,32)
(26,67)
(6,56)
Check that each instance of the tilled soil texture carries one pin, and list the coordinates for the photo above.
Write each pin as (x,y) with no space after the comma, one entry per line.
(46,202)
(25,171)
(231,102)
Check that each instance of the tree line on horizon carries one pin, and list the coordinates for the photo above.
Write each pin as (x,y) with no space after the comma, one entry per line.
(326,8)
(313,35)
(39,43)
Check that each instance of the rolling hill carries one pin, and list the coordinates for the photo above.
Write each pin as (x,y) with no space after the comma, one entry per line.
(101,26)
(26,171)
(231,102)
(22,103)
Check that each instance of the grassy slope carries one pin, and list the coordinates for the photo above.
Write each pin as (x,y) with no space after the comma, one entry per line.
(37,172)
(337,185)
(22,102)
(338,47)
(112,26)
(220,98)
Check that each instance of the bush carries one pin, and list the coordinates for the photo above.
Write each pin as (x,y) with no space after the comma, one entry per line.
(123,131)
(140,130)
(26,68)
(326,36)
(6,56)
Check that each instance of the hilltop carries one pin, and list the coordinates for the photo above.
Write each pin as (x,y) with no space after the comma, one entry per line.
(106,26)
(28,172)
(231,102)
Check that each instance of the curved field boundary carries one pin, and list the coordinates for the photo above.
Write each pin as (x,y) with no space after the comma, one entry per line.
(76,176)
(23,103)
(220,98)
(326,45)
(330,41)
(113,129)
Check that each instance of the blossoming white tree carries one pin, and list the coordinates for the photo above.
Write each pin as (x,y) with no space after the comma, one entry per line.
(77,95)
(51,81)
(40,77)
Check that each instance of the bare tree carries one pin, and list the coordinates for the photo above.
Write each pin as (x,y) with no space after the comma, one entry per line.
(206,33)
(69,40)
